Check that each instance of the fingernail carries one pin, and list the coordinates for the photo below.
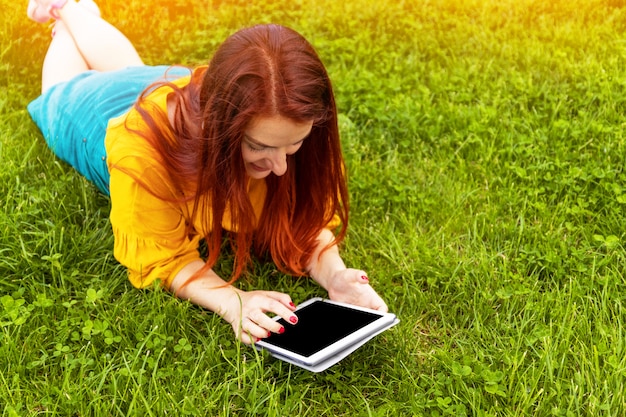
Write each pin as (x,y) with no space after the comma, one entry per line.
(293,319)
(269,334)
(365,278)
(281,330)
(292,304)
(258,339)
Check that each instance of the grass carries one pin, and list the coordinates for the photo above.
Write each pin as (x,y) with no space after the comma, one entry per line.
(485,146)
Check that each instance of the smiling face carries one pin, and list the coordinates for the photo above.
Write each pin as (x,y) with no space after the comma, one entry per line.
(268,141)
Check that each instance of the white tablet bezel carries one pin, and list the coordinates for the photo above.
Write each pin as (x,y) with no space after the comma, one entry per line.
(385,320)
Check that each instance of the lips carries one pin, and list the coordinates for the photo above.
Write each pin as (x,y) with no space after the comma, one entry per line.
(258,168)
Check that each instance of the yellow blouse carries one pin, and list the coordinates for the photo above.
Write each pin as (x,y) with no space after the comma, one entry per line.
(151,237)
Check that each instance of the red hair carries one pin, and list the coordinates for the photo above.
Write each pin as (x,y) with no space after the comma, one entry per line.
(261,71)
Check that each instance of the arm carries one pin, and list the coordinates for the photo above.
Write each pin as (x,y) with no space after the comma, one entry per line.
(343,284)
(244,310)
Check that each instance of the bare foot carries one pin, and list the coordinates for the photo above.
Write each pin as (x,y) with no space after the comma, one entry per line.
(39,10)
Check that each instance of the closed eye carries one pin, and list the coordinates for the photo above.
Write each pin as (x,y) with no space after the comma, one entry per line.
(255,148)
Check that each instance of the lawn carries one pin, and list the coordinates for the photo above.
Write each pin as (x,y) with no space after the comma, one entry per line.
(485,148)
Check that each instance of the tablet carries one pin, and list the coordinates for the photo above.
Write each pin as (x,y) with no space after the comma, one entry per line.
(326,332)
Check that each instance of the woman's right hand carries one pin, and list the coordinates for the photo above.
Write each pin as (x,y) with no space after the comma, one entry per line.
(247,312)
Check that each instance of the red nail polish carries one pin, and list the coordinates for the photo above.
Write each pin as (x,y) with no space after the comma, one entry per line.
(292,304)
(293,319)
(364,278)
(269,334)
(281,330)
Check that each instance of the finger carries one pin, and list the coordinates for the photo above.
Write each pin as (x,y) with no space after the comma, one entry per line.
(248,339)
(282,298)
(281,310)
(379,304)
(254,330)
(361,277)
(383,308)
(266,324)
(244,336)
(376,302)
(269,325)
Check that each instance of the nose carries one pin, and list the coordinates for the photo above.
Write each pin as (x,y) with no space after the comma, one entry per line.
(279,163)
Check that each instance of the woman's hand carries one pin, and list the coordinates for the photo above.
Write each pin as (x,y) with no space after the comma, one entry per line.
(352,286)
(343,284)
(247,312)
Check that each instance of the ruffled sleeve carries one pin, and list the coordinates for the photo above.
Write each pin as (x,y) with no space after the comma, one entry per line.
(151,234)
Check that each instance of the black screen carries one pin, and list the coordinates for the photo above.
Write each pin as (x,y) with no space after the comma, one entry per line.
(319,326)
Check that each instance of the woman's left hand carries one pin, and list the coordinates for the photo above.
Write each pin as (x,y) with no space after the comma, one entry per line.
(352,286)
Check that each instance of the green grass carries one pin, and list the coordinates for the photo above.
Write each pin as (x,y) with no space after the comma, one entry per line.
(486,151)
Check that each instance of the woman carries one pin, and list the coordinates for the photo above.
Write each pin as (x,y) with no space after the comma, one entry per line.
(245,150)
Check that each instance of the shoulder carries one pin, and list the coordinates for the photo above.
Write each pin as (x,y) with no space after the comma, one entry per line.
(126,133)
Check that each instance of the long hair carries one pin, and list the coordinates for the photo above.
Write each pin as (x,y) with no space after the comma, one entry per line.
(261,71)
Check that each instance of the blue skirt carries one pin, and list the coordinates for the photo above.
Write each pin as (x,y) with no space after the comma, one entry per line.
(73,115)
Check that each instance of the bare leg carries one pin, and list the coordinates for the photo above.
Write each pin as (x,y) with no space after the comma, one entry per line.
(96,44)
(102,45)
(63,60)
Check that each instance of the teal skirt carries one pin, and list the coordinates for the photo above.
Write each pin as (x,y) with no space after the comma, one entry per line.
(73,115)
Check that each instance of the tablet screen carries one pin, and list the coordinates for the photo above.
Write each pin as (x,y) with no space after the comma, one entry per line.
(320,325)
